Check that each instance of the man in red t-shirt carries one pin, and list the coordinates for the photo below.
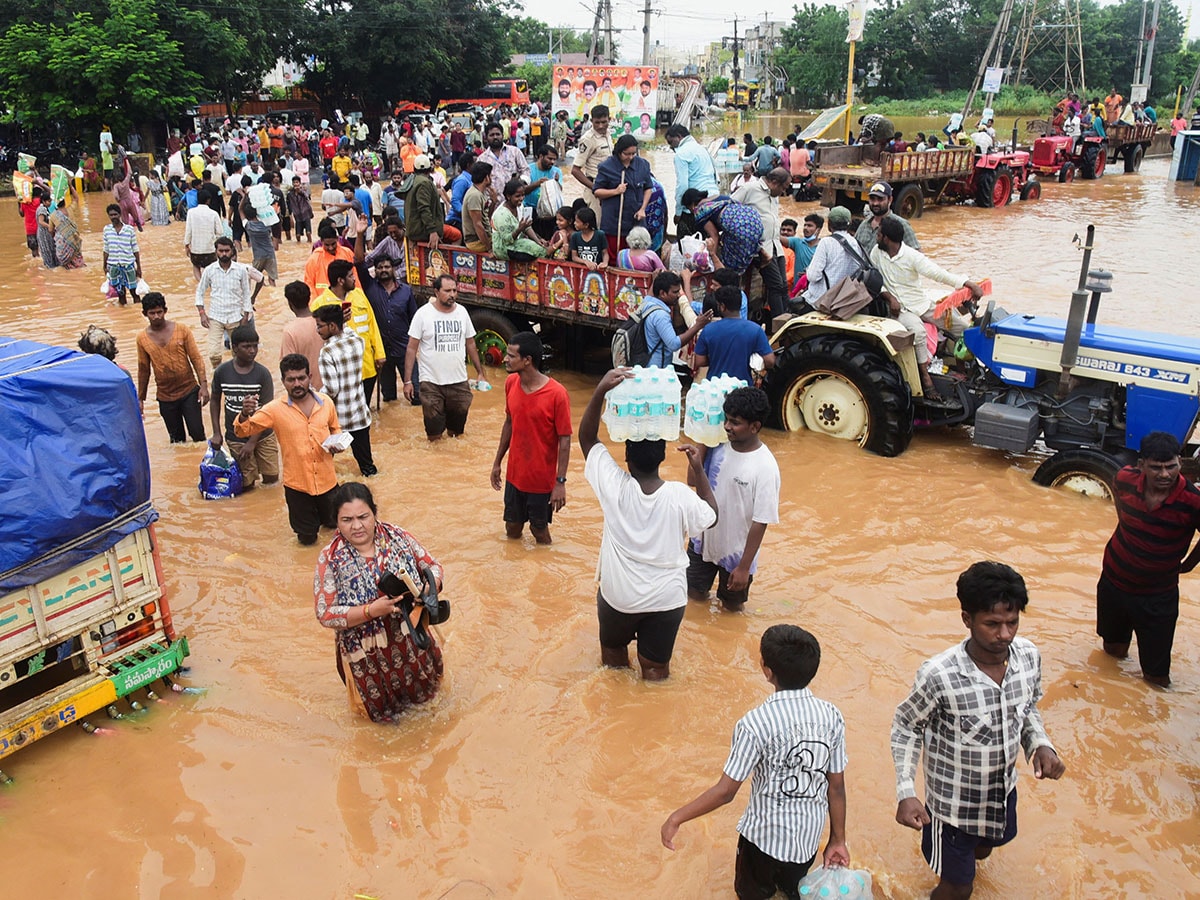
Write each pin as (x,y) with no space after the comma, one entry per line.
(537,428)
(29,212)
(1158,513)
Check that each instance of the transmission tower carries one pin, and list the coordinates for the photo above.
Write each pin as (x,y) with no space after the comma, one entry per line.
(1050,34)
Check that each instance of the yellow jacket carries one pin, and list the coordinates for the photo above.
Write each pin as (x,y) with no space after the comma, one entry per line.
(362,320)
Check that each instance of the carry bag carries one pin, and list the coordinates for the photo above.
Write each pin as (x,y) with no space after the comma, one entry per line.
(220,475)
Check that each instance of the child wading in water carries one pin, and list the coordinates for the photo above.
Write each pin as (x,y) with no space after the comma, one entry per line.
(795,746)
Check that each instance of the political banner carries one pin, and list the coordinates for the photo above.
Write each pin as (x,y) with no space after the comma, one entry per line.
(629,92)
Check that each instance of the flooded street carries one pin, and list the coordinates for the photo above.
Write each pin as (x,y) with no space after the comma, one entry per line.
(537,774)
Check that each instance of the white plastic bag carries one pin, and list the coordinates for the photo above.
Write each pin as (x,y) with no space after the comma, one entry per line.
(839,883)
(142,288)
(550,199)
(694,251)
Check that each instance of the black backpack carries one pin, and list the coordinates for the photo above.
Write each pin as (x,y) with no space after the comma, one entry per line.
(629,344)
(871,277)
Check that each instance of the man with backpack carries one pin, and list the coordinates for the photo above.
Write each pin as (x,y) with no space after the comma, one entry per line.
(649,338)
(834,258)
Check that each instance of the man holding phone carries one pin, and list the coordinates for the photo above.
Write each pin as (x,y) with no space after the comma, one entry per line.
(232,383)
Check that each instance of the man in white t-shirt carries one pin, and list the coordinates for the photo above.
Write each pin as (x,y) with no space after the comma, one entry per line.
(439,337)
(643,563)
(745,480)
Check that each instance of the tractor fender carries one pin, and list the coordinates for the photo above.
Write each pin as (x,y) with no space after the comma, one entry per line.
(893,340)
(987,161)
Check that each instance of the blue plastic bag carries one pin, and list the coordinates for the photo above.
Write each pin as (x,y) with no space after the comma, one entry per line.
(836,884)
(220,475)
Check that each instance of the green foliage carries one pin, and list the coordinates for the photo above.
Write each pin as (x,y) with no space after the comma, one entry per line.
(378,51)
(528,35)
(924,48)
(813,55)
(120,69)
(718,85)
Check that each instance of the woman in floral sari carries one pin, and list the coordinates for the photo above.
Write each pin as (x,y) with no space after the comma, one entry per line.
(384,670)
(68,243)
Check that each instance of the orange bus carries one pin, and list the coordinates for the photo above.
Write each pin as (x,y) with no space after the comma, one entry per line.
(498,92)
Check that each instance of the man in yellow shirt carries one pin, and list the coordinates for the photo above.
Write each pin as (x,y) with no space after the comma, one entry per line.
(341,165)
(343,289)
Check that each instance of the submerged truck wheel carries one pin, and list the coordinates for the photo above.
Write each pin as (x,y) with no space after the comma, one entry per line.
(842,388)
(1083,470)
(493,331)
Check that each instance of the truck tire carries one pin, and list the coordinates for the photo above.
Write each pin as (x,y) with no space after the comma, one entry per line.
(1067,173)
(1083,470)
(909,202)
(493,331)
(985,182)
(843,388)
(1093,162)
(1133,158)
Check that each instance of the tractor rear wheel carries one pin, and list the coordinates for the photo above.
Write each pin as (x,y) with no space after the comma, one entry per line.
(1093,162)
(909,202)
(1002,188)
(1083,470)
(843,388)
(985,183)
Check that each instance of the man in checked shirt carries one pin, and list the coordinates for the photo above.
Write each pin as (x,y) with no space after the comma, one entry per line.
(340,363)
(972,707)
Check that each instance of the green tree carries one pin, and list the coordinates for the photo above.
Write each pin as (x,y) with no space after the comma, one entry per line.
(718,85)
(528,35)
(378,51)
(120,68)
(813,53)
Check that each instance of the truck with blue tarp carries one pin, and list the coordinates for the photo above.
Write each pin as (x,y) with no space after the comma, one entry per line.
(84,619)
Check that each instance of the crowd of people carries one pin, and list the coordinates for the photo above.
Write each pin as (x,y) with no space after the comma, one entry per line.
(357,324)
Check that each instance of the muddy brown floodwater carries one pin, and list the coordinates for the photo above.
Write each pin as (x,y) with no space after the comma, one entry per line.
(535,773)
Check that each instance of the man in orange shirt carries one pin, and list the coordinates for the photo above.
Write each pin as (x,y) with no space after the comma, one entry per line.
(303,421)
(275,135)
(408,154)
(316,270)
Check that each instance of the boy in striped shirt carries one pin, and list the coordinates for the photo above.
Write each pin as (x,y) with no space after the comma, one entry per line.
(795,746)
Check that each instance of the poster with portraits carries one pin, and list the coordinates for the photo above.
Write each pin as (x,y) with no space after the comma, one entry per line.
(629,92)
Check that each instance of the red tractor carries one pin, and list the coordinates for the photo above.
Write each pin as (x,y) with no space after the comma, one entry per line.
(995,178)
(1061,156)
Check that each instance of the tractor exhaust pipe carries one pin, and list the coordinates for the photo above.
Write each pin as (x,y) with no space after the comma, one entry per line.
(1075,319)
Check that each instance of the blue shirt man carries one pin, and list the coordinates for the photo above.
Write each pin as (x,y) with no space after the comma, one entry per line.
(694,168)
(191,198)
(725,346)
(661,339)
(363,196)
(765,158)
(537,173)
(458,189)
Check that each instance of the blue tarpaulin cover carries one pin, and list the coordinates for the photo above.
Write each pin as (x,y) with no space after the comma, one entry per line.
(74,471)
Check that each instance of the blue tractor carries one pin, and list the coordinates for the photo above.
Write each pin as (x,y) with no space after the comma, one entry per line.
(1086,391)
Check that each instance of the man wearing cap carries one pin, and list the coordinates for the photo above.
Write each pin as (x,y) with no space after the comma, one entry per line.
(880,201)
(424,211)
(834,257)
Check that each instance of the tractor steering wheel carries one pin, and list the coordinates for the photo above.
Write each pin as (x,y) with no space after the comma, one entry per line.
(987,316)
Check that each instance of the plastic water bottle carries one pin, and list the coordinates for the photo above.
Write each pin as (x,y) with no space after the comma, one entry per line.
(672,393)
(697,411)
(637,403)
(616,415)
(654,427)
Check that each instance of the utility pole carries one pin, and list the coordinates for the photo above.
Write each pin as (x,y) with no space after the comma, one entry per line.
(737,71)
(646,34)
(594,49)
(609,49)
(1150,48)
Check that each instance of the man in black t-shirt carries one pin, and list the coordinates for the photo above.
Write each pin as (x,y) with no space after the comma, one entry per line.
(234,381)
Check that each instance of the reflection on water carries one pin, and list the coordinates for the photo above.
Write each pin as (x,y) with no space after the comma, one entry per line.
(537,774)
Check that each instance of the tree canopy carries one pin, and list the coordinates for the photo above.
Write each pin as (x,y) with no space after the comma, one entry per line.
(916,48)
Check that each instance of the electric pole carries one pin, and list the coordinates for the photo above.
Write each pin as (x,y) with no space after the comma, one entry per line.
(737,71)
(609,49)
(646,34)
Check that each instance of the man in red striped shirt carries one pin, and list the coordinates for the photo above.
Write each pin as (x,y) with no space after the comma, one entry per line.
(1158,513)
